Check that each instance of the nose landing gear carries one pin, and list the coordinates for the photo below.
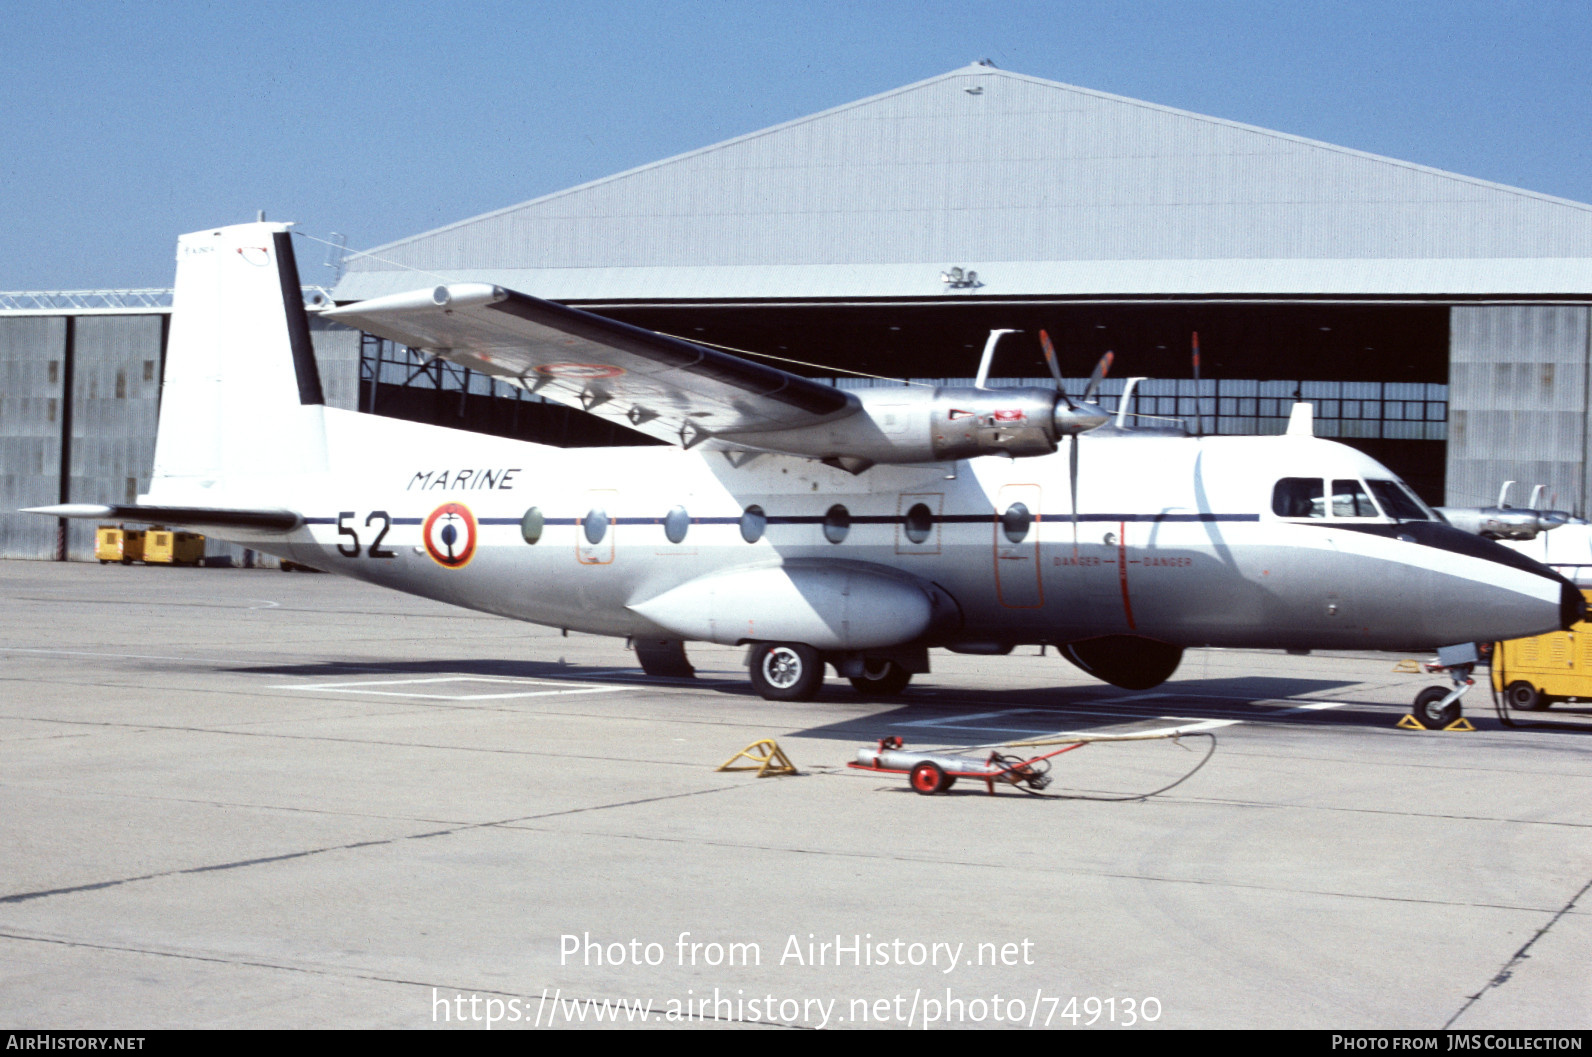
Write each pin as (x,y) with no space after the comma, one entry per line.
(1437,707)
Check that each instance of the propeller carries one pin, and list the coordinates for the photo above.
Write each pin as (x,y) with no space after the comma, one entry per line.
(1081,416)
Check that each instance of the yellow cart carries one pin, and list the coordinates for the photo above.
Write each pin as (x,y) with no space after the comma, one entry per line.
(112,543)
(173,548)
(1534,673)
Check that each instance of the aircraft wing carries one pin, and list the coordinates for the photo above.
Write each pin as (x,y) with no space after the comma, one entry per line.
(662,386)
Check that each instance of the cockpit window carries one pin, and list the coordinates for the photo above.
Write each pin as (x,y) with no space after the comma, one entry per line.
(1298,497)
(1399,502)
(1350,500)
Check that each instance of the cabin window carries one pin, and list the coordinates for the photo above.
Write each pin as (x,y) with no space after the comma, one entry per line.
(919,523)
(1298,497)
(837,522)
(596,525)
(1016,522)
(753,522)
(531,524)
(676,523)
(1398,502)
(1350,500)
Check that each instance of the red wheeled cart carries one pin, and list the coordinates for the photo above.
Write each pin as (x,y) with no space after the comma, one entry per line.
(935,772)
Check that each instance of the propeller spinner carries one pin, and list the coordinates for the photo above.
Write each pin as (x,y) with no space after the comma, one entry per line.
(1077,416)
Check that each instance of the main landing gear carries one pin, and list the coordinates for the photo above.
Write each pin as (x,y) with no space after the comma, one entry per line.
(786,671)
(792,671)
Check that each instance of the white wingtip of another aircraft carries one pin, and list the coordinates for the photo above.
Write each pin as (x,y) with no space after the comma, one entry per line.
(72,510)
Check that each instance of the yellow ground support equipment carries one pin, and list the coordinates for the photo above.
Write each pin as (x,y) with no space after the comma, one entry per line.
(1534,673)
(173,548)
(112,543)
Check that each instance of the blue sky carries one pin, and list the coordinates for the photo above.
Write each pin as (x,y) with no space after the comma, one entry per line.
(129,123)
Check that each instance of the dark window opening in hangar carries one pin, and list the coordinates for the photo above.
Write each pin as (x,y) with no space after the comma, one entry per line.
(1385,367)
(1376,374)
(1392,343)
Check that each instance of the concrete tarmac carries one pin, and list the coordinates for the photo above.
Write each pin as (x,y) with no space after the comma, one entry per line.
(237,798)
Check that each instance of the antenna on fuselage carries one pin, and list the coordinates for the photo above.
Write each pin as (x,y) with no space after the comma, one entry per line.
(1302,419)
(989,356)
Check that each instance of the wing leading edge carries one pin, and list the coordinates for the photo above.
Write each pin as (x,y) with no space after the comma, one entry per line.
(666,387)
(191,516)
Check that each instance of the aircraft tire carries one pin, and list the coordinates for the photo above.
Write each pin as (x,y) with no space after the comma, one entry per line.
(1426,710)
(786,671)
(928,779)
(1523,696)
(886,680)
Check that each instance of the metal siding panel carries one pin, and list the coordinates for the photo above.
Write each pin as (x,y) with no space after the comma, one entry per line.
(1517,411)
(31,413)
(337,357)
(115,404)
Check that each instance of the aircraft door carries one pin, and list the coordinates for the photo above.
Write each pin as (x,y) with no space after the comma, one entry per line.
(1017,571)
(594,531)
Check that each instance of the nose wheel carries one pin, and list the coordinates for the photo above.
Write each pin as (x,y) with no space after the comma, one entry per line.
(1437,707)
(1434,709)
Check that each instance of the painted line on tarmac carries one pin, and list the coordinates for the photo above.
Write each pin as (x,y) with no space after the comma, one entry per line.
(958,723)
(1315,707)
(366,687)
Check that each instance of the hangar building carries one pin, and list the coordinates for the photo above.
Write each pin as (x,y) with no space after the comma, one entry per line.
(1440,322)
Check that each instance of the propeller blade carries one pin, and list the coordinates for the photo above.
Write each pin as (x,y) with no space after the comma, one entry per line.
(1099,375)
(1052,363)
(1072,474)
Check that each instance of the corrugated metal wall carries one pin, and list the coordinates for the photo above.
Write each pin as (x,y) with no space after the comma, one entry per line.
(32,410)
(337,355)
(116,370)
(1518,403)
(114,365)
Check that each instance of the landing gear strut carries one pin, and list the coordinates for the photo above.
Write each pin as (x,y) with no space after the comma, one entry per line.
(1437,706)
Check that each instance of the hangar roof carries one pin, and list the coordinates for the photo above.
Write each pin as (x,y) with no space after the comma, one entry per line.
(1043,189)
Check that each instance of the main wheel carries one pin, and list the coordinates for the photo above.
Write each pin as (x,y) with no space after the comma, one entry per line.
(927,778)
(1427,711)
(1525,697)
(881,678)
(786,671)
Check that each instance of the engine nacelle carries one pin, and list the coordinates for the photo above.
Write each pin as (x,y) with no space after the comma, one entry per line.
(919,424)
(1503,523)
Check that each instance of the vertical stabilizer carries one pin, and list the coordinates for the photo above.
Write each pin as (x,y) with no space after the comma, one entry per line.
(242,396)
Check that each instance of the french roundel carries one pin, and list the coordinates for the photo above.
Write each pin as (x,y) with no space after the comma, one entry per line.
(449,535)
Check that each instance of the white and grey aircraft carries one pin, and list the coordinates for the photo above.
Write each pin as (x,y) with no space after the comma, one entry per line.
(813,525)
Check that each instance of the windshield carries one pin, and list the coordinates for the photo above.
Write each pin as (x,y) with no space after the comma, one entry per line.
(1400,503)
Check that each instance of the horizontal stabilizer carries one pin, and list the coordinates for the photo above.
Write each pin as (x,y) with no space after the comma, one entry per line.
(196,516)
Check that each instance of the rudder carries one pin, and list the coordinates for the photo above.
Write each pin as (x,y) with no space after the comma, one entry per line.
(242,395)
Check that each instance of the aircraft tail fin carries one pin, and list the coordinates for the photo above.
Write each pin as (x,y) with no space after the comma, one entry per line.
(242,398)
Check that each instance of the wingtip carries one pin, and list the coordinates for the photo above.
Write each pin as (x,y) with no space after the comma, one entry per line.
(71,510)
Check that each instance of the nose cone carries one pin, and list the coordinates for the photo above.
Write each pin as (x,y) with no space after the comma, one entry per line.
(1480,591)
(1572,606)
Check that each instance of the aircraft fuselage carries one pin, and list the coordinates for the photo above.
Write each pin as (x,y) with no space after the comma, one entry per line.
(1176,539)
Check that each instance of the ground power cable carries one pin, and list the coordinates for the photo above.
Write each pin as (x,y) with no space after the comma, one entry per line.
(1176,739)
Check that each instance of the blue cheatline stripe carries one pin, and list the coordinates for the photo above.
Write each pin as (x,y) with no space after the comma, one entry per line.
(859,519)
